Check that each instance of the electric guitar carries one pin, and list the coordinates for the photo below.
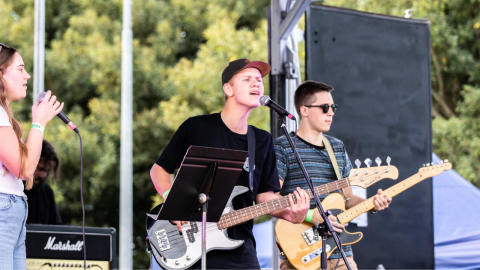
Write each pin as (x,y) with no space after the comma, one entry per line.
(174,250)
(303,247)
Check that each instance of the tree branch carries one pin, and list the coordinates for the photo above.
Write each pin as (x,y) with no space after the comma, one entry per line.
(447,112)
(440,96)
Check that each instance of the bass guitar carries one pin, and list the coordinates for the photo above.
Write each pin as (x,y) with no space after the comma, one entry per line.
(175,250)
(302,246)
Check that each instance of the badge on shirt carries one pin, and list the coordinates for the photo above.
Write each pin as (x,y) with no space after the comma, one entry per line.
(245,166)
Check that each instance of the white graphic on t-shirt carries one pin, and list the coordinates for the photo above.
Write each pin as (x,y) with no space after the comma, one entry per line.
(245,166)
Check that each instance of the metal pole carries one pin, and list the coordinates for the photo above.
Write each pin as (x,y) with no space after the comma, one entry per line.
(275,250)
(126,167)
(39,49)
(283,57)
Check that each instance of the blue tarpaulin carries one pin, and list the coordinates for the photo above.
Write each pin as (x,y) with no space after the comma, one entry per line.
(456,218)
(456,209)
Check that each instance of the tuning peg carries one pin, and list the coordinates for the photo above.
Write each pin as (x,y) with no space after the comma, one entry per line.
(428,164)
(423,165)
(441,161)
(388,160)
(358,163)
(368,162)
(446,160)
(378,161)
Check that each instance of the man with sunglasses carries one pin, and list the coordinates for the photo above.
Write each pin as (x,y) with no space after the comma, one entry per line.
(315,107)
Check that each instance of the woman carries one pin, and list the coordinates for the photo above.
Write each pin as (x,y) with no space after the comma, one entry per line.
(18,160)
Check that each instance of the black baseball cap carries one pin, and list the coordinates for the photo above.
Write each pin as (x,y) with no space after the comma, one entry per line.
(240,64)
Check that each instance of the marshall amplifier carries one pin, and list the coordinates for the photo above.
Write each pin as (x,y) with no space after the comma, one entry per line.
(61,247)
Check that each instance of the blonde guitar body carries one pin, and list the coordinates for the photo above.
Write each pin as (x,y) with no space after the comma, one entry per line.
(298,240)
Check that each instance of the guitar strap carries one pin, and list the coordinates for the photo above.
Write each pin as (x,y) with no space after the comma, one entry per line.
(331,155)
(251,155)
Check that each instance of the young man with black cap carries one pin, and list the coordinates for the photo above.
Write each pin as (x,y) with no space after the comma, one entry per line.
(243,87)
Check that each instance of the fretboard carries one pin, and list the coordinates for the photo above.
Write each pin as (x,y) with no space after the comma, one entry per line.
(243,215)
(368,204)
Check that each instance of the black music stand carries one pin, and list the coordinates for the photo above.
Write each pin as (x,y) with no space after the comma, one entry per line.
(205,180)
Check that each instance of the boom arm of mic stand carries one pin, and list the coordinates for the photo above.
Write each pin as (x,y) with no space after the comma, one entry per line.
(327,222)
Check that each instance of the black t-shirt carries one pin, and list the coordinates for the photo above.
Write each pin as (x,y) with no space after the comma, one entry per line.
(210,131)
(42,208)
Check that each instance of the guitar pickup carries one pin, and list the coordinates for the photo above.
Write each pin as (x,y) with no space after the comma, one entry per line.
(192,231)
(194,227)
(162,239)
(190,237)
(314,254)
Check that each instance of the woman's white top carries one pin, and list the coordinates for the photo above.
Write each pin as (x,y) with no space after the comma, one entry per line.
(9,184)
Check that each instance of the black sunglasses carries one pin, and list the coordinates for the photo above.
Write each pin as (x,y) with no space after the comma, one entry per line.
(325,107)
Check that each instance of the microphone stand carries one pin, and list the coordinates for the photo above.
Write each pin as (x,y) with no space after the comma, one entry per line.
(326,226)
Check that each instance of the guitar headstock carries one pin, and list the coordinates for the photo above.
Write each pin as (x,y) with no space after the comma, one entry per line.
(365,177)
(430,169)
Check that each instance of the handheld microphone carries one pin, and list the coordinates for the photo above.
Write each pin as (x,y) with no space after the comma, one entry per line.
(61,115)
(267,101)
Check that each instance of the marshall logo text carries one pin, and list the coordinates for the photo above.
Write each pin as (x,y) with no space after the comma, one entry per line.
(51,245)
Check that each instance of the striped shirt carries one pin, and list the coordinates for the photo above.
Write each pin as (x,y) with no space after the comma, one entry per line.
(318,165)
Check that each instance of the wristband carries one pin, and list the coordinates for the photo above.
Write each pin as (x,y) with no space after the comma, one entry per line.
(165,194)
(38,126)
(309,215)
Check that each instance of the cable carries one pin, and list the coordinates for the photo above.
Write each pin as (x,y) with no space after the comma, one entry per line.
(81,200)
(337,262)
(296,129)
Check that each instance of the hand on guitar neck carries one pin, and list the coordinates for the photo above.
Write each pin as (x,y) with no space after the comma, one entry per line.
(299,202)
(381,201)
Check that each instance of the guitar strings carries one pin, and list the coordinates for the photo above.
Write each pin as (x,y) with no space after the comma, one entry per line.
(213,227)
(354,211)
(210,225)
(262,207)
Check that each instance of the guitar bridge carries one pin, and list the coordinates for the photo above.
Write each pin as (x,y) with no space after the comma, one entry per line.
(310,236)
(162,239)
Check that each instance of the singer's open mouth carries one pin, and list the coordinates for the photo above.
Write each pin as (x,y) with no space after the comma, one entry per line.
(255,93)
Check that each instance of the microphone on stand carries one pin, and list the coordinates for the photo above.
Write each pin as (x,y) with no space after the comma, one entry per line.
(61,115)
(267,101)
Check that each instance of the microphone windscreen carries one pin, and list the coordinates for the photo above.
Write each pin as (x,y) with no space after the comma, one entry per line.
(41,96)
(264,100)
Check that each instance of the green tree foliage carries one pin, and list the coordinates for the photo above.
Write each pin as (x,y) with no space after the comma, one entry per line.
(180,49)
(458,138)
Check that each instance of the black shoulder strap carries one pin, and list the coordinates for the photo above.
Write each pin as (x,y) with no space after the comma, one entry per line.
(251,154)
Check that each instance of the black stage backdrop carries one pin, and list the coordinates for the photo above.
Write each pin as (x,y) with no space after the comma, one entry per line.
(380,69)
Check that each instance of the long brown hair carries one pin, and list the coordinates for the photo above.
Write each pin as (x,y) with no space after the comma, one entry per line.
(6,56)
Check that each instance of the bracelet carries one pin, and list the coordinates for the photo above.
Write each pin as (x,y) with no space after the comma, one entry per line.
(165,194)
(309,215)
(38,126)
